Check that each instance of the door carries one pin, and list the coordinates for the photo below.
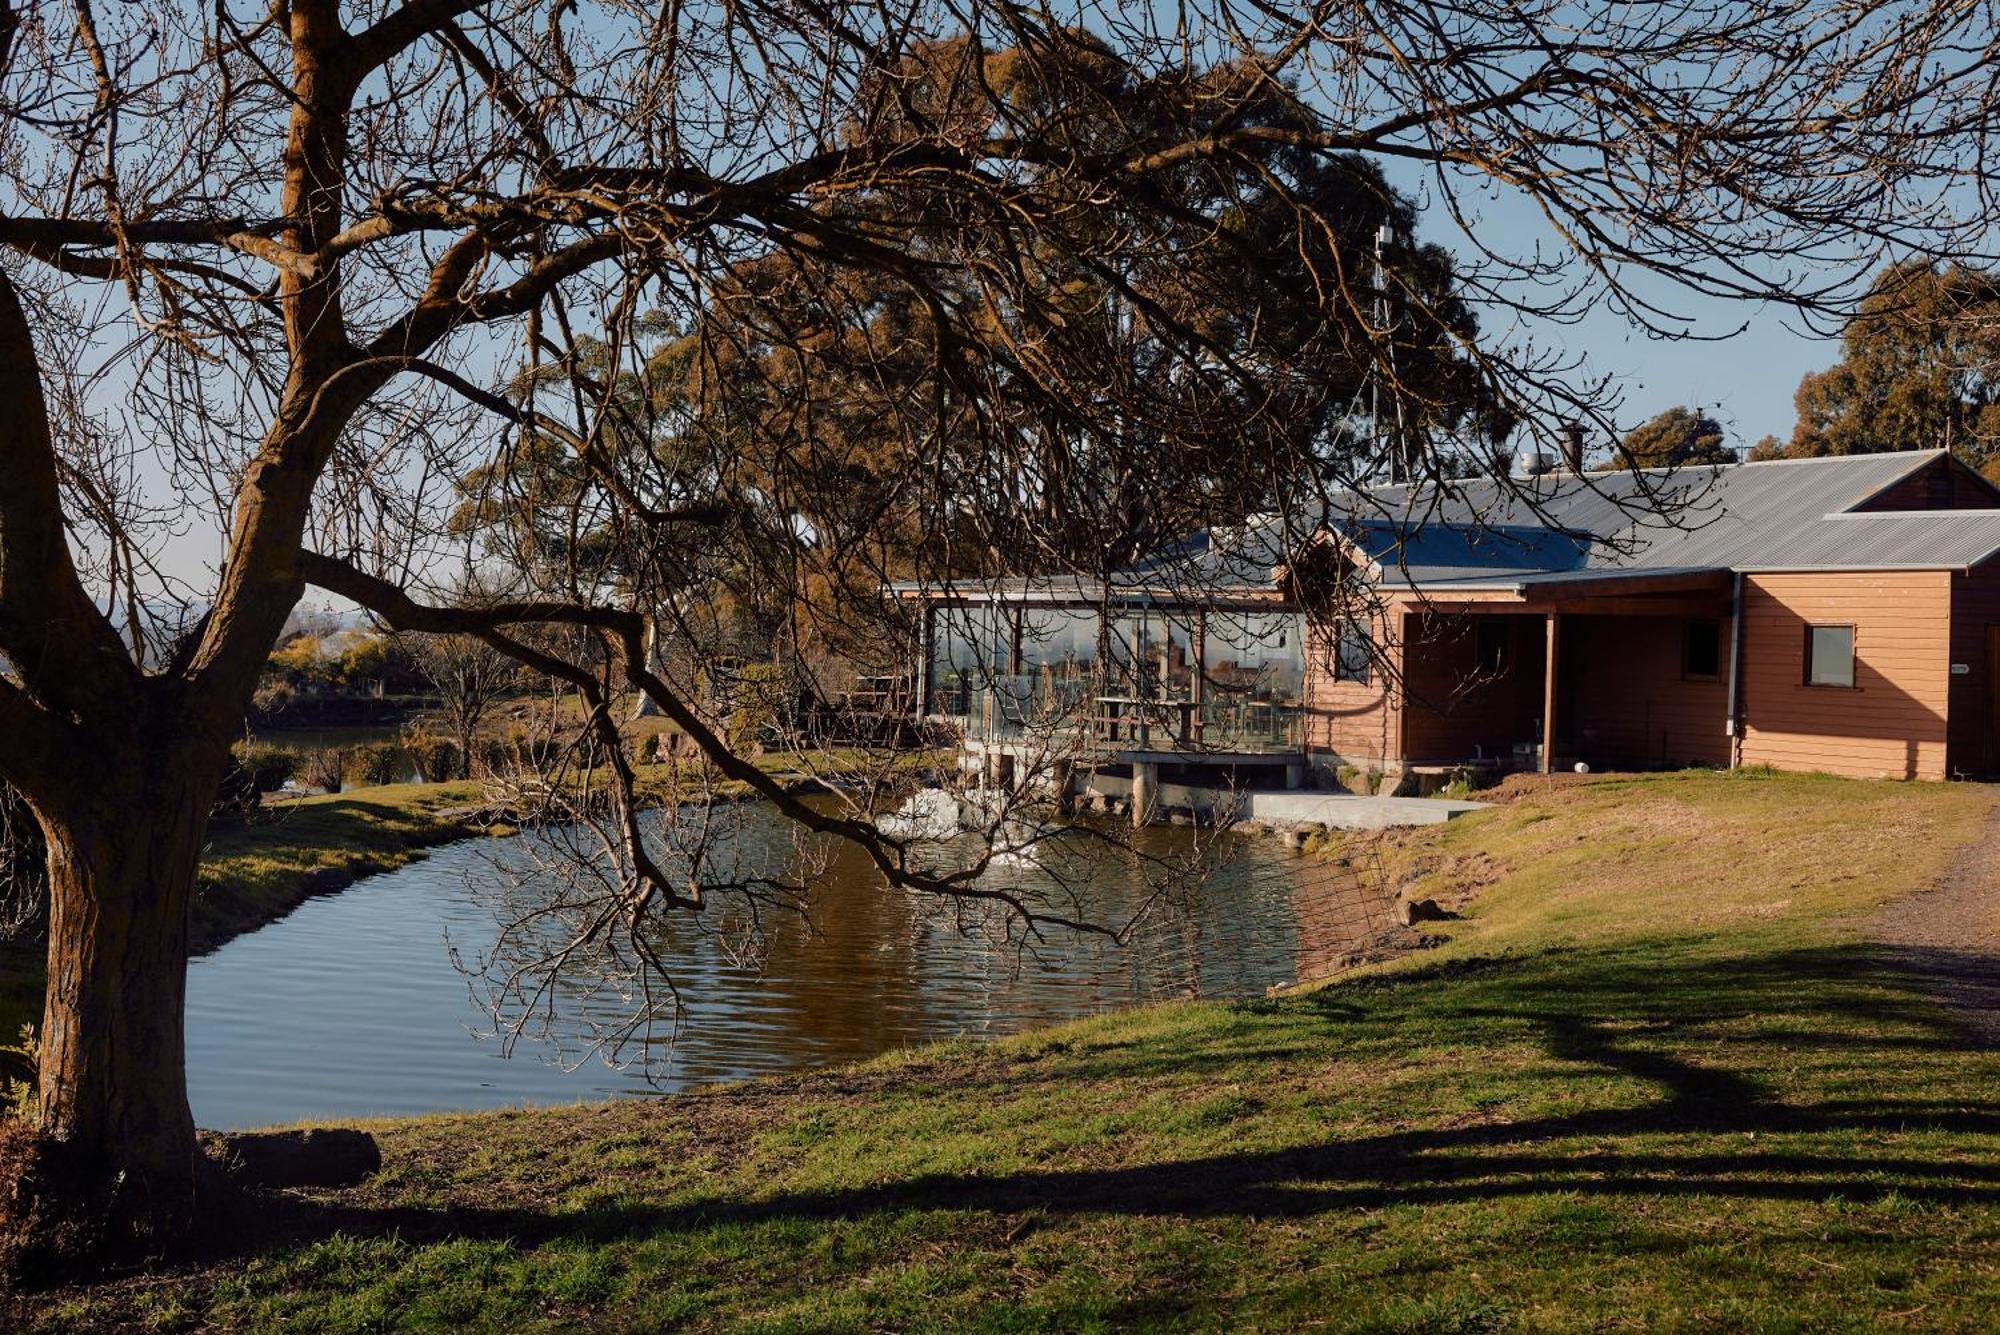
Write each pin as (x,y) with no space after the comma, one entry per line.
(1993,700)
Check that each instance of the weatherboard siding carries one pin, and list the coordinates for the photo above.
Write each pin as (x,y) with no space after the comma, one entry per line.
(1892,723)
(1358,722)
(1632,706)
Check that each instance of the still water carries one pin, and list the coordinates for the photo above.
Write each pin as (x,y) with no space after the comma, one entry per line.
(364,1002)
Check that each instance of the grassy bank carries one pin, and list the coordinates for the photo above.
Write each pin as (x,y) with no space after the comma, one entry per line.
(1655,1080)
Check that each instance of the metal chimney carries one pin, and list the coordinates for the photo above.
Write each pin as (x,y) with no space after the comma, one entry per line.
(1572,446)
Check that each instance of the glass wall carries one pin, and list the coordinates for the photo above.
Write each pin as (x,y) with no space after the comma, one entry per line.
(1001,669)
(969,645)
(1059,660)
(1254,672)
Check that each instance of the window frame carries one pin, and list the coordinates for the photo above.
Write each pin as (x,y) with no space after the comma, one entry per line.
(1853,656)
(1687,644)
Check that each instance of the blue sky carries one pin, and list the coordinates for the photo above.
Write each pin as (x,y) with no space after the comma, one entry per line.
(1741,363)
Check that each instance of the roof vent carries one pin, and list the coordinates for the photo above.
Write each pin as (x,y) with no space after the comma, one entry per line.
(1534,463)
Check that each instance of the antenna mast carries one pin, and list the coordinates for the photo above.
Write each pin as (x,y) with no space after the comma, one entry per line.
(1390,453)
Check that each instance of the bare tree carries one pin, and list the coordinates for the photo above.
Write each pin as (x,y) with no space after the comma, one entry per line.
(470,677)
(806,295)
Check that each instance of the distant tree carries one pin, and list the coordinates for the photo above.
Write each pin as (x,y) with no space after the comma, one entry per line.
(1767,447)
(1919,370)
(1676,438)
(470,676)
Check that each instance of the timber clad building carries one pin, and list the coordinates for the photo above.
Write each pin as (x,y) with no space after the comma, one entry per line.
(1828,614)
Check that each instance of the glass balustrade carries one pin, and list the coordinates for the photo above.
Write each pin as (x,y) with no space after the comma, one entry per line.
(1001,674)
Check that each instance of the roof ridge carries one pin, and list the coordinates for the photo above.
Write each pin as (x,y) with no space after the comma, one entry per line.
(1804,459)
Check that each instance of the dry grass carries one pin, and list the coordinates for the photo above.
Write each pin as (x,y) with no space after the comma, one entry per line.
(1612,858)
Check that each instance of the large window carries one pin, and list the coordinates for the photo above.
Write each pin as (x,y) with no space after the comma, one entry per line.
(1256,654)
(1829,655)
(970,647)
(1701,651)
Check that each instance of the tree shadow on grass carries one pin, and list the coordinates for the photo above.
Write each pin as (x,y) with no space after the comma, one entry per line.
(1700,1034)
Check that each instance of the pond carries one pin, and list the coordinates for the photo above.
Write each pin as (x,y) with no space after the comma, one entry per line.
(361,1003)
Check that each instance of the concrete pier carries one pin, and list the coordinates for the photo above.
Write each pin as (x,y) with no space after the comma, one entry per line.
(1145,793)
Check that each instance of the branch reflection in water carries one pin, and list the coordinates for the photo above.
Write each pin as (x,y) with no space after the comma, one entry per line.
(351,1007)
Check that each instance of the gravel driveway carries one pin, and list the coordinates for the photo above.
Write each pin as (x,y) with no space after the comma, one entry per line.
(1949,937)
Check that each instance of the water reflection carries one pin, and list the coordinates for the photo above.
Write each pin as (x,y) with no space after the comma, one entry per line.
(351,1006)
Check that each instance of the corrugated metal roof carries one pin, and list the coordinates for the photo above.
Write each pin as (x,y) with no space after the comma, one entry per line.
(1781,515)
(1791,514)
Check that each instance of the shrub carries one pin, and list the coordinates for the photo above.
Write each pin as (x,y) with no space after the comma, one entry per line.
(267,768)
(754,696)
(493,756)
(436,758)
(17,1074)
(323,768)
(381,762)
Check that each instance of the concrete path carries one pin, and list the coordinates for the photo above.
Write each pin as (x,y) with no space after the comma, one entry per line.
(1340,811)
(1949,937)
(1351,811)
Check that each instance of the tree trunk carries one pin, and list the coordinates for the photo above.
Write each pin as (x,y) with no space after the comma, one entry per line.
(115,1169)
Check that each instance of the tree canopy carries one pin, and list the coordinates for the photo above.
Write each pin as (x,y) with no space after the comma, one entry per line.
(1919,370)
(1678,437)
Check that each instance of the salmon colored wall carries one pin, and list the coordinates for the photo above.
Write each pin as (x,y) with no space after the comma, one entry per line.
(1630,705)
(1624,701)
(1892,723)
(1358,722)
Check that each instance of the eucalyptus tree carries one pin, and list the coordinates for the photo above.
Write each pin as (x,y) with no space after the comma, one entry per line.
(1919,370)
(278,274)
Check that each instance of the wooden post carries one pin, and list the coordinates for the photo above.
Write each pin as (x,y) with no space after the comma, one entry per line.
(1196,690)
(1549,694)
(926,652)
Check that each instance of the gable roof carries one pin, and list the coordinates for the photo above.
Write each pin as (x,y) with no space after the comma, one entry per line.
(1782,515)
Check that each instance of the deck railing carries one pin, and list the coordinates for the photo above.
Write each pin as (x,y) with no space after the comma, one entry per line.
(1010,708)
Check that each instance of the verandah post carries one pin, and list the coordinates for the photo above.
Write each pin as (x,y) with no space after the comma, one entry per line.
(1554,620)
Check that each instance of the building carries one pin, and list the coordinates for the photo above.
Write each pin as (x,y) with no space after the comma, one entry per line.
(1828,614)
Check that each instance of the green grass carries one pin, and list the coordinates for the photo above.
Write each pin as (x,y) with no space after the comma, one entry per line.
(1656,1080)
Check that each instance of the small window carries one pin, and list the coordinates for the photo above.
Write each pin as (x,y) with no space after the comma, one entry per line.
(1701,651)
(1355,654)
(1495,639)
(1829,655)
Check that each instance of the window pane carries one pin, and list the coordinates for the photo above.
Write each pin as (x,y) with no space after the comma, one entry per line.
(1830,655)
(1258,655)
(1704,649)
(1354,654)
